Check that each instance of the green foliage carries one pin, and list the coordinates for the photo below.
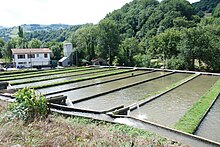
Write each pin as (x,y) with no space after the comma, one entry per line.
(166,34)
(206,6)
(85,41)
(6,50)
(20,32)
(129,48)
(216,12)
(2,43)
(191,119)
(28,106)
(51,33)
(109,40)
(143,60)
(34,43)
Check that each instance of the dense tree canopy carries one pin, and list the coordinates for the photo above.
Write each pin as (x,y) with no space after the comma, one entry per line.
(167,34)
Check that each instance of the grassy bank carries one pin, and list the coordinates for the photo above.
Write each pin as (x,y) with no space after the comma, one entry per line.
(76,131)
(191,119)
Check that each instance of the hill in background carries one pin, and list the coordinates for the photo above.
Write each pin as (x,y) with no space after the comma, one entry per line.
(38,31)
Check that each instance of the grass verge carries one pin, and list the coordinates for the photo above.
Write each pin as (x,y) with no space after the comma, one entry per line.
(76,131)
(80,79)
(191,119)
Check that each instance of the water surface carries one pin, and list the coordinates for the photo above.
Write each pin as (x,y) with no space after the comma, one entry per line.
(210,127)
(101,88)
(169,108)
(87,82)
(130,95)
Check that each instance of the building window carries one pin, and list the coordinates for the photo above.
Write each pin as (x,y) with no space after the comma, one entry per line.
(21,56)
(31,56)
(22,62)
(45,55)
(37,55)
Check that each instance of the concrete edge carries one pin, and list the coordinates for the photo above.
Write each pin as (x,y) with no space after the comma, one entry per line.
(69,108)
(180,133)
(120,88)
(35,76)
(75,88)
(181,71)
(171,89)
(54,78)
(142,102)
(84,79)
(206,113)
(85,115)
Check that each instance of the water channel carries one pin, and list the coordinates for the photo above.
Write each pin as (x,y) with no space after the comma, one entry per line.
(210,126)
(73,76)
(130,95)
(57,75)
(168,108)
(102,88)
(87,82)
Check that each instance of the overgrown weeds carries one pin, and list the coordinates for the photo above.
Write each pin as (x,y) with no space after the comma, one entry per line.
(28,106)
(76,131)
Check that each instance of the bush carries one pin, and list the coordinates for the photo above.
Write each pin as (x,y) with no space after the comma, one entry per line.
(28,106)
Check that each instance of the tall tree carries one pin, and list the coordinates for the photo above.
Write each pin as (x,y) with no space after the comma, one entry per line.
(109,39)
(194,46)
(2,43)
(22,41)
(34,43)
(85,40)
(165,45)
(6,51)
(20,32)
(128,49)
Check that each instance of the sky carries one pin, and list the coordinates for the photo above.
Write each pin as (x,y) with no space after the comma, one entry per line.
(72,12)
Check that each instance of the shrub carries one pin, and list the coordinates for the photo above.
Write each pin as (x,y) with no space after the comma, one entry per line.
(28,106)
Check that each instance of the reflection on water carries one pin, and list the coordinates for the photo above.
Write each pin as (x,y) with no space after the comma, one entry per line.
(87,82)
(210,127)
(168,108)
(59,78)
(131,95)
(93,90)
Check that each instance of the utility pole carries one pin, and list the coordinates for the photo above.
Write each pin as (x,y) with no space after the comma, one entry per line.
(163,59)
(76,58)
(31,59)
(109,49)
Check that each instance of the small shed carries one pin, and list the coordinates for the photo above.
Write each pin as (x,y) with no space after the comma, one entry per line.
(64,62)
(99,61)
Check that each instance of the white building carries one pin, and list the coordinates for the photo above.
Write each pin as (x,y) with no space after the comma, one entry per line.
(67,59)
(39,57)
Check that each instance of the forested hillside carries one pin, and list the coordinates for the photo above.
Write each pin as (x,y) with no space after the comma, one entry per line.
(8,33)
(58,35)
(167,34)
(205,6)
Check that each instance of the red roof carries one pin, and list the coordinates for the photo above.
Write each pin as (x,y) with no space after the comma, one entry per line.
(31,50)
